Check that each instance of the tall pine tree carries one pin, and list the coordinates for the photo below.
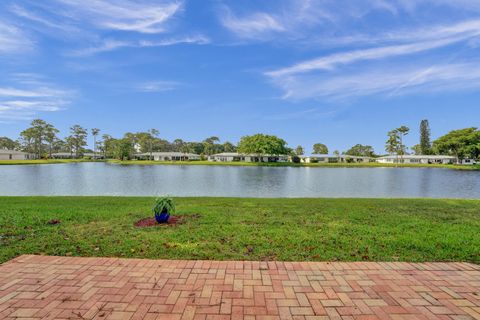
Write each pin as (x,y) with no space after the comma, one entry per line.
(425,144)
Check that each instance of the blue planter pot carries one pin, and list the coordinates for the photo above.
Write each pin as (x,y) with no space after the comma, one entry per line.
(162,217)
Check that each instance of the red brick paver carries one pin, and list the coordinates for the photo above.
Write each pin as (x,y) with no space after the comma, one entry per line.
(42,287)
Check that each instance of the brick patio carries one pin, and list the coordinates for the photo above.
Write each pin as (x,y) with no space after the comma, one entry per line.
(42,287)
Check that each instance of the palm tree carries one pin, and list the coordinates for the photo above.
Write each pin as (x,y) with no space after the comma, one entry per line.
(95,132)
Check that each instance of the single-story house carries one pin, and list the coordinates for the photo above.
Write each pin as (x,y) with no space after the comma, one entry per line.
(468,162)
(92,155)
(68,155)
(63,155)
(15,155)
(326,158)
(418,159)
(238,157)
(168,156)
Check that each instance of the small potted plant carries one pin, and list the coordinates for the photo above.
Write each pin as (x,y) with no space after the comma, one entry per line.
(163,208)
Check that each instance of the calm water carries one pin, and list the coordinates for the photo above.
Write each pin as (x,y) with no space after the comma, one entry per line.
(111,179)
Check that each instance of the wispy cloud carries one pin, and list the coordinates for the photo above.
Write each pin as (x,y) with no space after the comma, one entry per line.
(255,25)
(112,44)
(13,40)
(138,16)
(379,70)
(27,97)
(392,82)
(157,86)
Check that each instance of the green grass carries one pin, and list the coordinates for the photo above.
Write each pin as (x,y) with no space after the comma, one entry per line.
(290,164)
(245,229)
(44,161)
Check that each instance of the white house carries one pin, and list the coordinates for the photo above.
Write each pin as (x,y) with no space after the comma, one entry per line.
(418,159)
(15,155)
(238,157)
(468,162)
(168,156)
(326,158)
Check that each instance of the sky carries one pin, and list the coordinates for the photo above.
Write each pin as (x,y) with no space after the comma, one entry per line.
(339,72)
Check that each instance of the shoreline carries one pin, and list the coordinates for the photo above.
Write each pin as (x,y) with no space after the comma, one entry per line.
(245,164)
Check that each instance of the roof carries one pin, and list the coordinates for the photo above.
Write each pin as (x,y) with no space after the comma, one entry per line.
(169,154)
(415,156)
(6,151)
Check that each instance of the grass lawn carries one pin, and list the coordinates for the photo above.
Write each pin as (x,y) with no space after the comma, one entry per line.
(251,229)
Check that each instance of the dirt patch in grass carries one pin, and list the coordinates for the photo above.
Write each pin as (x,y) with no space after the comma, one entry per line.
(172,221)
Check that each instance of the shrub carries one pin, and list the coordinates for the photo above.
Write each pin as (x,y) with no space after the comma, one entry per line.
(162,204)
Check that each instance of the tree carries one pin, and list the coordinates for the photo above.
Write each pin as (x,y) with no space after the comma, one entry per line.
(320,148)
(393,143)
(417,149)
(262,144)
(34,137)
(50,137)
(402,132)
(425,144)
(78,139)
(151,140)
(229,147)
(211,145)
(299,151)
(360,150)
(9,144)
(336,153)
(95,133)
(106,146)
(123,149)
(463,143)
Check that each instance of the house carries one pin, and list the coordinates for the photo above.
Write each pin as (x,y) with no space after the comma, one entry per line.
(238,157)
(15,155)
(418,159)
(326,158)
(63,155)
(92,155)
(468,162)
(168,156)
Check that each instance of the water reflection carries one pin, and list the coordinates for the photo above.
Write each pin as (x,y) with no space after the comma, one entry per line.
(110,179)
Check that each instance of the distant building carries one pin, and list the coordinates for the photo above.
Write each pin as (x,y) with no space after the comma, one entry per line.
(15,155)
(326,158)
(418,159)
(68,155)
(238,157)
(468,162)
(168,156)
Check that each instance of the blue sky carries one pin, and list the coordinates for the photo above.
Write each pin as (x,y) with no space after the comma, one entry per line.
(333,71)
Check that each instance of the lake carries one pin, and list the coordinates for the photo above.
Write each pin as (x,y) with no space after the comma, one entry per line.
(82,179)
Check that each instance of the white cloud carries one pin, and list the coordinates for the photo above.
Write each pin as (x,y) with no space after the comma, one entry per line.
(123,15)
(112,44)
(255,25)
(432,38)
(27,97)
(394,81)
(157,86)
(13,40)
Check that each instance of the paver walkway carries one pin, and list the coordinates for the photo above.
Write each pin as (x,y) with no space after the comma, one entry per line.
(42,287)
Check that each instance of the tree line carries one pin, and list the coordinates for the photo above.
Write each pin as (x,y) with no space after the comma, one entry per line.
(462,143)
(42,139)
